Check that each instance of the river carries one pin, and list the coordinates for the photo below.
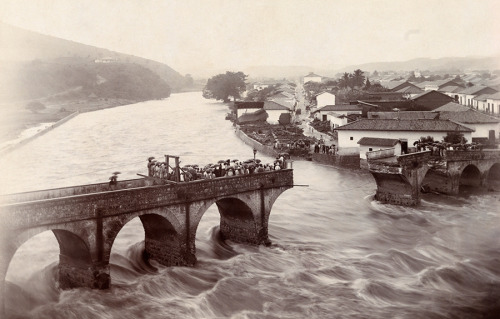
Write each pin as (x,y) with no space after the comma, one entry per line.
(336,252)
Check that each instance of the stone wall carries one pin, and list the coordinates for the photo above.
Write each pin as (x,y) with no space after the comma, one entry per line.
(349,161)
(265,149)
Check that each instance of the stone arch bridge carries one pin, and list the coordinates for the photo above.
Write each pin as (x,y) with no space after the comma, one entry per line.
(86,220)
(400,179)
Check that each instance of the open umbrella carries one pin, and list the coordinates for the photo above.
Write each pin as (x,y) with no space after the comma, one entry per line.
(234,161)
(150,158)
(116,173)
(221,161)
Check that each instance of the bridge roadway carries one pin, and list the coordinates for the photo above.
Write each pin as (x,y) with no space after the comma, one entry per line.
(400,179)
(86,220)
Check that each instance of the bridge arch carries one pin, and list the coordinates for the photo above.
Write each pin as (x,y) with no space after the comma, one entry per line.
(470,176)
(493,176)
(74,254)
(163,234)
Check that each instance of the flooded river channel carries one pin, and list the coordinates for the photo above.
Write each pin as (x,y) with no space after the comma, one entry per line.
(336,252)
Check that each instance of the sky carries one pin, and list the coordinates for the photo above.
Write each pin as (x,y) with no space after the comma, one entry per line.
(191,35)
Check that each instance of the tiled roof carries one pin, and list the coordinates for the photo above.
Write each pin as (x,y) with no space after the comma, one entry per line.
(481,97)
(340,107)
(411,89)
(391,84)
(451,89)
(405,115)
(375,141)
(249,105)
(495,96)
(436,93)
(474,89)
(468,117)
(452,107)
(312,75)
(272,105)
(404,125)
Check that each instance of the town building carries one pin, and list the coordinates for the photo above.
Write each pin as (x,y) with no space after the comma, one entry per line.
(493,102)
(342,109)
(274,110)
(483,125)
(430,100)
(324,98)
(466,96)
(407,131)
(311,77)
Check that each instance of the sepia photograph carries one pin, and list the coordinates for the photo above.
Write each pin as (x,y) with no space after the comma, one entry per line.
(249,159)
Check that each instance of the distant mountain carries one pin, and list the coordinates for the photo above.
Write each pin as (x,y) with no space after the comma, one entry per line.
(277,72)
(17,45)
(449,64)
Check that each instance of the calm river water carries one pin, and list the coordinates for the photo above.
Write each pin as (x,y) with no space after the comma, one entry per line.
(336,252)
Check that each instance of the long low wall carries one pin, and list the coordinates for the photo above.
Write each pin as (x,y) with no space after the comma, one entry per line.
(268,150)
(12,147)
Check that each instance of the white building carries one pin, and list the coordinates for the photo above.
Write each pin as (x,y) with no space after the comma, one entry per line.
(344,109)
(493,102)
(481,123)
(274,110)
(311,77)
(325,98)
(407,131)
(466,96)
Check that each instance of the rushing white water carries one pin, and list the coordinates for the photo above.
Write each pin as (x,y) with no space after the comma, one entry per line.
(336,252)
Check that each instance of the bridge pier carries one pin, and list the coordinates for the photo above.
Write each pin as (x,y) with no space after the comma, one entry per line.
(72,274)
(399,182)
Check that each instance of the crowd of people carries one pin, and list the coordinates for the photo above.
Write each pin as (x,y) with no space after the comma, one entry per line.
(223,168)
(324,149)
(440,148)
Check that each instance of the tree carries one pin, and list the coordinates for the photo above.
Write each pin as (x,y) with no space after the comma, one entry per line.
(345,80)
(358,78)
(223,86)
(367,84)
(455,138)
(35,106)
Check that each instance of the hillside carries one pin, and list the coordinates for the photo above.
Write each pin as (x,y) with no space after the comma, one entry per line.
(19,45)
(79,80)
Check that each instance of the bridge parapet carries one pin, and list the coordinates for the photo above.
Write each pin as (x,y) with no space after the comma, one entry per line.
(471,155)
(70,191)
(413,159)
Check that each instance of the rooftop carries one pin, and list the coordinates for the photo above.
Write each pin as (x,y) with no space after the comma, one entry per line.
(375,141)
(475,89)
(404,125)
(272,105)
(468,117)
(452,107)
(340,107)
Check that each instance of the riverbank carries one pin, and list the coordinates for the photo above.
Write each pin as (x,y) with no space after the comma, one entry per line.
(17,124)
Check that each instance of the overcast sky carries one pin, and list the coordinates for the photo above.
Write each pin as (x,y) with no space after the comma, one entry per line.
(189,35)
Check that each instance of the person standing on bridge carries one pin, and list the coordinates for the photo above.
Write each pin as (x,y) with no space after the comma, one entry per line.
(150,166)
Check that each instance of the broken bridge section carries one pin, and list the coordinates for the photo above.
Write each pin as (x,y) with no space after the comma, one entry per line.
(86,220)
(400,179)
